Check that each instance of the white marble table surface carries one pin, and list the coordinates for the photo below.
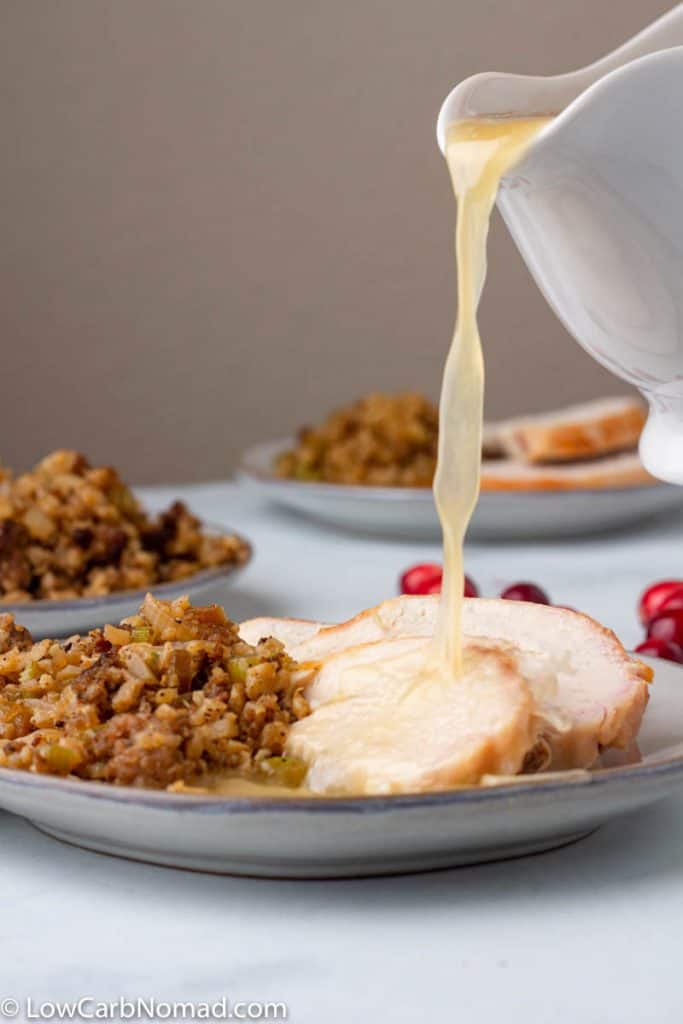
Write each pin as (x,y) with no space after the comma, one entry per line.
(590,933)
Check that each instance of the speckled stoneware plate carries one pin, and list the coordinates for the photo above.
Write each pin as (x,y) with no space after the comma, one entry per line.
(409,511)
(327,838)
(63,618)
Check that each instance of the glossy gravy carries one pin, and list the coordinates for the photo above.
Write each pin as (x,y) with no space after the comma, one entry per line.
(478,153)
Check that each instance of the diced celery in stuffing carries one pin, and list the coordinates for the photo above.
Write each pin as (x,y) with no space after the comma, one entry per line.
(286,771)
(61,759)
(32,671)
(237,667)
(141,634)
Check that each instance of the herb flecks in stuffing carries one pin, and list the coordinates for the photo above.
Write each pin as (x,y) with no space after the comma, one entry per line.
(70,530)
(167,696)
(380,441)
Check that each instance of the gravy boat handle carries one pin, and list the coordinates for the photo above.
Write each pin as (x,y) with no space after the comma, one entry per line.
(494,93)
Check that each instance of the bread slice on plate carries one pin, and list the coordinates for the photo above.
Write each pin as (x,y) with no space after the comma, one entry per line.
(546,688)
(612,471)
(586,431)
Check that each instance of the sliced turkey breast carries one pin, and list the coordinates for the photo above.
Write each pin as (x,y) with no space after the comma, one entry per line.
(290,632)
(383,722)
(586,431)
(624,469)
(588,692)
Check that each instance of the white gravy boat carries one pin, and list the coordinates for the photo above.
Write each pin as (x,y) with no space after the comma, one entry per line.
(596,209)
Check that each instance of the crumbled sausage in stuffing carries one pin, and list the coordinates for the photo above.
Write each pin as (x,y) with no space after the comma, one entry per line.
(165,697)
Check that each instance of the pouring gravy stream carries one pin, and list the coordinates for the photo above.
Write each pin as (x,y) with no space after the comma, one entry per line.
(478,152)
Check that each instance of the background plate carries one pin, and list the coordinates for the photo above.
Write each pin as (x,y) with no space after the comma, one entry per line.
(341,837)
(410,512)
(63,618)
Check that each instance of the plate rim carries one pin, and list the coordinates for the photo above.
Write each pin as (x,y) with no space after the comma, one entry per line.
(246,470)
(50,606)
(363,805)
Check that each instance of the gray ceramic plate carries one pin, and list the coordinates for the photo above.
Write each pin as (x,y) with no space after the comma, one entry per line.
(410,511)
(369,836)
(63,618)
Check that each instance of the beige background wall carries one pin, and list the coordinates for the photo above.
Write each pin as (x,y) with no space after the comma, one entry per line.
(222,216)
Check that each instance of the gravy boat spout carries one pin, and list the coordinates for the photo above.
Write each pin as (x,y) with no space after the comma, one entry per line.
(595,206)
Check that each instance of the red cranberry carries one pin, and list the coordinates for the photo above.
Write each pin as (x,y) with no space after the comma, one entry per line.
(667,626)
(672,604)
(421,578)
(655,597)
(426,578)
(525,592)
(666,649)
